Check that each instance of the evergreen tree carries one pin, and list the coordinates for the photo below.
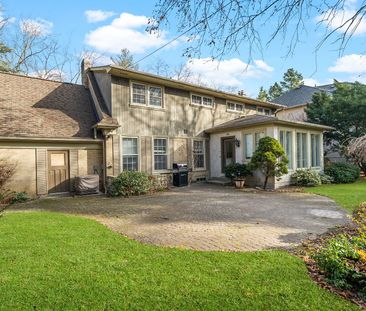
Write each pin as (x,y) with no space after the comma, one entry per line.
(274,91)
(262,95)
(291,80)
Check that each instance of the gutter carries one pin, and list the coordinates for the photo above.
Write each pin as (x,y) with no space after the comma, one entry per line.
(51,139)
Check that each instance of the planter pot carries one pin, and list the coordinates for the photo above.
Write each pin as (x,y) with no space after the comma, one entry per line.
(239,183)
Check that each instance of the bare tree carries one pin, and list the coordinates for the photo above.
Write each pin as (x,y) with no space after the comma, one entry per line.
(356,150)
(125,60)
(159,67)
(223,25)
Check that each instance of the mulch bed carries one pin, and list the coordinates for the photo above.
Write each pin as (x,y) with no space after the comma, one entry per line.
(309,246)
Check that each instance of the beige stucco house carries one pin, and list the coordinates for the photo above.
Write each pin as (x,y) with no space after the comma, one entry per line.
(128,120)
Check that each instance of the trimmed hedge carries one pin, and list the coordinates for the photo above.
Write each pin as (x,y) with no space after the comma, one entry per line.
(130,183)
(342,172)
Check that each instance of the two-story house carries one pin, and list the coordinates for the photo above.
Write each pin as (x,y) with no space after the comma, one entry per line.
(132,120)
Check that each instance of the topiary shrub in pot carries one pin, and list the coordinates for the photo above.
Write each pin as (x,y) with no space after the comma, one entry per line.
(342,172)
(130,183)
(237,173)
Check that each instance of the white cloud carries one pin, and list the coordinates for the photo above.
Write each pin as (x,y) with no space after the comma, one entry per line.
(335,19)
(125,31)
(37,27)
(262,65)
(94,16)
(353,63)
(225,74)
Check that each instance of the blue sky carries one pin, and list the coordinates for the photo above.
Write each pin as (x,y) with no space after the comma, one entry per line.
(109,25)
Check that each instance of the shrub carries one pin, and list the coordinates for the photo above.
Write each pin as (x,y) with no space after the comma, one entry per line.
(20,197)
(236,170)
(342,172)
(270,158)
(306,177)
(130,183)
(334,261)
(325,179)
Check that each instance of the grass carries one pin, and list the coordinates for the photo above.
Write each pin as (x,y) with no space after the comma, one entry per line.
(51,261)
(348,196)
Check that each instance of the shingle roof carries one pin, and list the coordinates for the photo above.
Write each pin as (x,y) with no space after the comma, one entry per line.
(252,120)
(32,107)
(302,95)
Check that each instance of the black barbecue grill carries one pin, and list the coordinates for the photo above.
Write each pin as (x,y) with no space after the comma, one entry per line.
(180,174)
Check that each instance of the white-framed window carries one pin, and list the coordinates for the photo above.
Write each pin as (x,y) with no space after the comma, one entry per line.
(302,150)
(264,111)
(146,95)
(257,137)
(286,143)
(138,94)
(200,100)
(235,107)
(315,150)
(248,146)
(160,154)
(130,154)
(251,142)
(199,154)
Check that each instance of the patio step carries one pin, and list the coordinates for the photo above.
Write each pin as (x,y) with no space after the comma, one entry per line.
(223,181)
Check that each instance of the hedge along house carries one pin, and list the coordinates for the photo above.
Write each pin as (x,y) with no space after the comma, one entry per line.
(46,129)
(163,121)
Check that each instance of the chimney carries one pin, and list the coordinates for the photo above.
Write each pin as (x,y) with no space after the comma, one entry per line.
(241,93)
(85,65)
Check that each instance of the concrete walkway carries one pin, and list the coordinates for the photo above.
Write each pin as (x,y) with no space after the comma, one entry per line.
(208,217)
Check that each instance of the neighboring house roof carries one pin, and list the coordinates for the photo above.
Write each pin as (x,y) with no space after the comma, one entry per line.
(302,95)
(253,120)
(150,78)
(33,107)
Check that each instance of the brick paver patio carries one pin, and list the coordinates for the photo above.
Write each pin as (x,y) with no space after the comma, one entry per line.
(208,217)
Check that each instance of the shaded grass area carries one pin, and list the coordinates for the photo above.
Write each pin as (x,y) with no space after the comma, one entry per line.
(51,261)
(348,196)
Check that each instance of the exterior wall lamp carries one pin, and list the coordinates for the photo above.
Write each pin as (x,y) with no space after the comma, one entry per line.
(237,142)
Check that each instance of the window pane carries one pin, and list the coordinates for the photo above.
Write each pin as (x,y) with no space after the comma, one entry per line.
(248,142)
(129,146)
(196,100)
(258,136)
(159,146)
(239,107)
(130,163)
(138,94)
(301,148)
(288,149)
(198,154)
(207,101)
(231,106)
(315,150)
(156,96)
(160,162)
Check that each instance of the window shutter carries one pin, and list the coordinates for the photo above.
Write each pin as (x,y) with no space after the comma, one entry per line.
(74,170)
(116,155)
(41,163)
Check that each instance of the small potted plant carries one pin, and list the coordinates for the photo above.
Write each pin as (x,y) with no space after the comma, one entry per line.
(237,173)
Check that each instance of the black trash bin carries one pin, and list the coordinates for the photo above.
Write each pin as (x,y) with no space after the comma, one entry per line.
(180,174)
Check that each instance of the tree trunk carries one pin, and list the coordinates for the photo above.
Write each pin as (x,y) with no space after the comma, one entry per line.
(265,182)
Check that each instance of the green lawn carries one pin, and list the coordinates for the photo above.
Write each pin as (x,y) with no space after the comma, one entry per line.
(347,195)
(50,261)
